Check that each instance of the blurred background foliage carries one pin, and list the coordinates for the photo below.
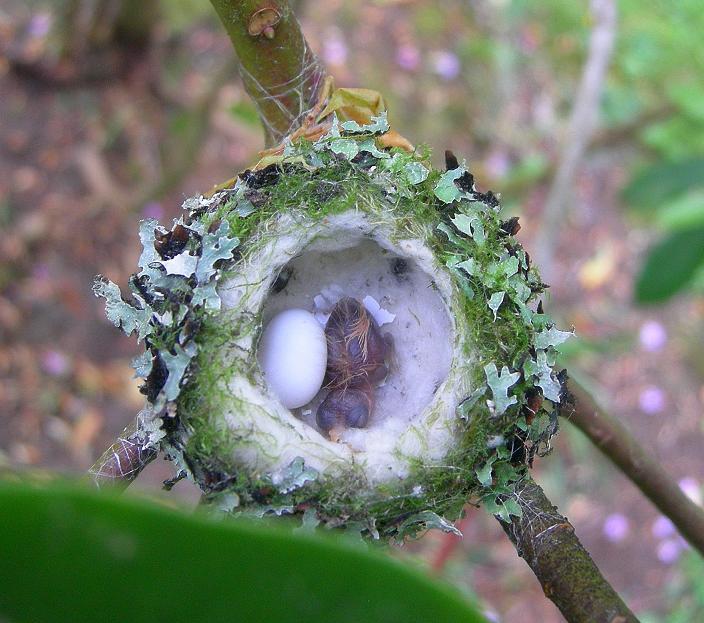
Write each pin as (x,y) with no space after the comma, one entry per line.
(96,138)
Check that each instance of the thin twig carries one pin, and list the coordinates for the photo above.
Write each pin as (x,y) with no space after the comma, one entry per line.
(619,446)
(547,542)
(580,128)
(280,72)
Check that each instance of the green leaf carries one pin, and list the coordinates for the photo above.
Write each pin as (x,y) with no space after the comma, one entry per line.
(505,474)
(378,125)
(348,147)
(670,266)
(207,296)
(495,302)
(149,254)
(689,98)
(465,407)
(683,212)
(123,315)
(510,266)
(512,507)
(502,508)
(142,365)
(499,384)
(76,555)
(451,235)
(183,264)
(540,369)
(660,183)
(490,504)
(176,365)
(370,146)
(416,172)
(217,246)
(427,520)
(469,266)
(551,337)
(294,476)
(446,190)
(484,474)
(470,225)
(540,427)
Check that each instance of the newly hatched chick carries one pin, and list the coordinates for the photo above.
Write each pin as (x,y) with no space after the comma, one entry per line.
(349,407)
(356,361)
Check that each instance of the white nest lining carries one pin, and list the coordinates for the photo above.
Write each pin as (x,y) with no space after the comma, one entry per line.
(349,255)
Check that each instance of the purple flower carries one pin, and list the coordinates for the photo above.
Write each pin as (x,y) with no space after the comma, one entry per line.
(408,57)
(497,163)
(662,528)
(669,551)
(55,363)
(616,528)
(153,209)
(652,336)
(41,272)
(684,544)
(446,64)
(39,25)
(690,487)
(651,400)
(334,51)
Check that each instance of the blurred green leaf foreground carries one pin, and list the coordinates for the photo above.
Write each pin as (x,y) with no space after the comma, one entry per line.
(75,555)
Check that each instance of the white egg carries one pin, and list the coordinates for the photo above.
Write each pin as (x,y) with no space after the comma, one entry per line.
(293,355)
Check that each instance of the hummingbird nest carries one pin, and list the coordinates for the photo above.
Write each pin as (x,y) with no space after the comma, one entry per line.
(458,389)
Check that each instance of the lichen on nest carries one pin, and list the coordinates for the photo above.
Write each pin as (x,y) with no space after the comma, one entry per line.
(198,300)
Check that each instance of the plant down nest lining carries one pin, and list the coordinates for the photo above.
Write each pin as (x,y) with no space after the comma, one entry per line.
(471,395)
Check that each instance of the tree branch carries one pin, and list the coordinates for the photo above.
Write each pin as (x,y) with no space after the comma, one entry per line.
(279,71)
(617,444)
(580,129)
(547,542)
(124,460)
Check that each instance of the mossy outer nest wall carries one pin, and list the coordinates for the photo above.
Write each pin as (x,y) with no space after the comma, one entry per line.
(222,427)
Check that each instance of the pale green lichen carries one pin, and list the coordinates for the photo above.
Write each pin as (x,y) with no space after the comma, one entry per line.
(508,345)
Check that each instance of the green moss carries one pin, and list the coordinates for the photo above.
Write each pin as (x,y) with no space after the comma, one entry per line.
(309,185)
(210,444)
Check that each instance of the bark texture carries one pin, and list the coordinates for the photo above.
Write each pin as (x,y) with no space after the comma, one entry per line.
(279,70)
(547,542)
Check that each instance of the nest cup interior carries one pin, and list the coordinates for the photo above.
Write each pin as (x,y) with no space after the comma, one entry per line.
(353,254)
(422,351)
